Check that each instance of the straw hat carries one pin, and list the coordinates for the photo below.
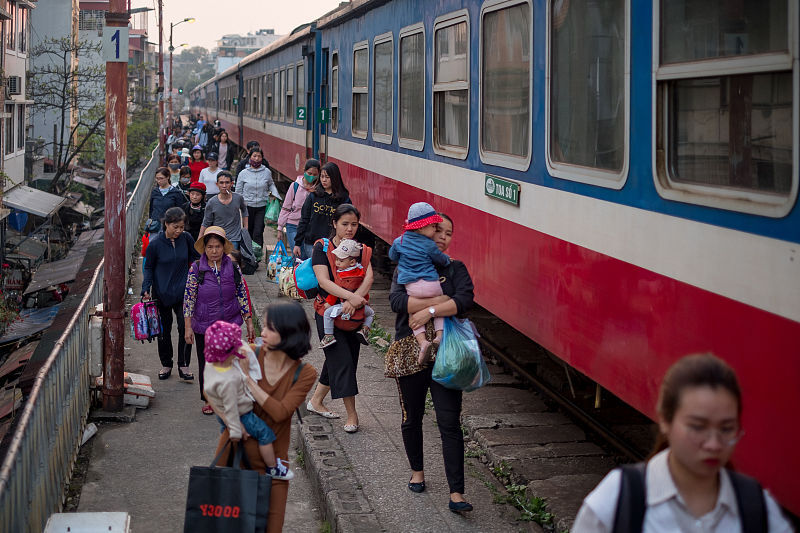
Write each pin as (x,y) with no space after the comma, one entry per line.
(200,244)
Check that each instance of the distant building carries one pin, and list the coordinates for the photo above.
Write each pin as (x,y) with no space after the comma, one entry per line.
(232,48)
(15,17)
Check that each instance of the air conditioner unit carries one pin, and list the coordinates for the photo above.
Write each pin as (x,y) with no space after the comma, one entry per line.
(14,85)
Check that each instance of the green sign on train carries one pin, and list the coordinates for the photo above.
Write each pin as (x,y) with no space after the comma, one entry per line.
(502,189)
(300,113)
(323,115)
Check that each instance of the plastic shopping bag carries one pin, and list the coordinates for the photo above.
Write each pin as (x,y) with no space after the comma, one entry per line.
(273,210)
(459,364)
(279,259)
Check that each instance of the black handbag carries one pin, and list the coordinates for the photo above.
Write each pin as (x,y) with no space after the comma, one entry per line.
(227,498)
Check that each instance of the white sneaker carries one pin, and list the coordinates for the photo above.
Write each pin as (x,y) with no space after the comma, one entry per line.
(280,471)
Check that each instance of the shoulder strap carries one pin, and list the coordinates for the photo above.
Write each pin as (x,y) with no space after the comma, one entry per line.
(294,380)
(751,503)
(366,255)
(296,185)
(237,275)
(632,501)
(201,274)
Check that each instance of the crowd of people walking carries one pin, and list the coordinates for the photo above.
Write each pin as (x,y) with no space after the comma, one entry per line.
(191,271)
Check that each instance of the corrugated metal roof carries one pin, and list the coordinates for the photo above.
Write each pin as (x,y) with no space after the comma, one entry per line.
(56,272)
(30,321)
(32,201)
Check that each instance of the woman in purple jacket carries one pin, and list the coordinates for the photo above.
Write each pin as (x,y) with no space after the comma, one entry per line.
(214,291)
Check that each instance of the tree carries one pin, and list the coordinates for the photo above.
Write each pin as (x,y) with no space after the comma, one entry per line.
(192,67)
(67,80)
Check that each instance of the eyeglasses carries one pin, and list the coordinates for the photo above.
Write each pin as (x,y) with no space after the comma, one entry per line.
(727,436)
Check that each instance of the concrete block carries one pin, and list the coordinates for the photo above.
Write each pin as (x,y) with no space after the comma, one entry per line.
(347,501)
(547,467)
(510,420)
(490,400)
(529,435)
(554,449)
(357,523)
(89,522)
(564,495)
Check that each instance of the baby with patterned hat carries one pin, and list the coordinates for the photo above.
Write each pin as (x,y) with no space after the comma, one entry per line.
(226,390)
(417,257)
(349,274)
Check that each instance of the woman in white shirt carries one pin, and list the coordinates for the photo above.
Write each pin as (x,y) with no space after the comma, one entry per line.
(208,176)
(686,487)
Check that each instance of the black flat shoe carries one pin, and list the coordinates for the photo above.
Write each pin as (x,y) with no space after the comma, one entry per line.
(417,487)
(165,374)
(460,507)
(188,376)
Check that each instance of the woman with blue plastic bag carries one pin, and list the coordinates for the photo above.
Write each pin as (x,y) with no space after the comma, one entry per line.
(414,380)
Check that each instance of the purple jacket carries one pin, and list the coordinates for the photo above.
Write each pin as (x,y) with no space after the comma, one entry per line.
(215,300)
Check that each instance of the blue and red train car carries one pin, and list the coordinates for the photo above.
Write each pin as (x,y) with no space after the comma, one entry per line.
(622,175)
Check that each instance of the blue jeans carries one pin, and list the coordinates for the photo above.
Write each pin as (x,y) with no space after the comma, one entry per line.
(257,428)
(291,233)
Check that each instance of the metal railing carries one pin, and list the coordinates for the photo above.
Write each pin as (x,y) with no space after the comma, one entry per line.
(45,442)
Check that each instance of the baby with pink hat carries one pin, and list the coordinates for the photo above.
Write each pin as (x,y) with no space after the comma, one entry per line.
(226,390)
(417,257)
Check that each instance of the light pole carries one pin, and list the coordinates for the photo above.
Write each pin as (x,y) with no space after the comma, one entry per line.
(171,49)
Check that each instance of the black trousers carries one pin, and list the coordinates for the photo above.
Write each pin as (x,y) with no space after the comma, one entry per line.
(341,361)
(447,403)
(255,223)
(165,339)
(200,343)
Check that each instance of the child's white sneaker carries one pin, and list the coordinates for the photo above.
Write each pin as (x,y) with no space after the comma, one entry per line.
(280,471)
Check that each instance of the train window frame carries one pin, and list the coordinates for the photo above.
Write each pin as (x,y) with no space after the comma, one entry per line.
(300,65)
(361,45)
(727,198)
(270,101)
(290,77)
(579,173)
(441,22)
(283,94)
(334,124)
(407,142)
(276,89)
(501,159)
(382,137)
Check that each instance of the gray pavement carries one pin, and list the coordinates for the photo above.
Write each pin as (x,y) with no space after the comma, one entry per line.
(349,482)
(143,467)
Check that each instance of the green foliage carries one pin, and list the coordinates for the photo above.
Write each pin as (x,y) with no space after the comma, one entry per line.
(191,67)
(379,338)
(300,458)
(325,527)
(142,134)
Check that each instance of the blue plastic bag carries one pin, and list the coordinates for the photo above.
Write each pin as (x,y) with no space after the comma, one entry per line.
(304,277)
(459,364)
(279,259)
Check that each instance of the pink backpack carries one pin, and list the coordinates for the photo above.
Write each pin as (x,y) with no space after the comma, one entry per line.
(145,321)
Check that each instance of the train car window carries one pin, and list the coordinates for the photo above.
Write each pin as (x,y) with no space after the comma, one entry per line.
(276,95)
(411,105)
(261,95)
(505,90)
(290,94)
(588,91)
(726,105)
(360,90)
(283,95)
(335,92)
(301,88)
(451,86)
(383,88)
(269,97)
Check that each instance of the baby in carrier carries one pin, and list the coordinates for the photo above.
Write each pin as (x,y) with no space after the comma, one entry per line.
(349,275)
(417,256)
(226,390)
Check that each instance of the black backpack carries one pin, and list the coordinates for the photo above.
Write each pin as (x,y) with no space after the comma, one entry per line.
(201,274)
(632,502)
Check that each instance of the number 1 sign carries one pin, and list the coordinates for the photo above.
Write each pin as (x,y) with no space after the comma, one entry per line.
(115,44)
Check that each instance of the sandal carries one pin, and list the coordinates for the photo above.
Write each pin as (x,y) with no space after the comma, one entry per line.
(207,410)
(351,428)
(363,335)
(324,414)
(165,373)
(327,340)
(188,376)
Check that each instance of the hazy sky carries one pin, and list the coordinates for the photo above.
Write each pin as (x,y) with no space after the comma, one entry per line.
(215,18)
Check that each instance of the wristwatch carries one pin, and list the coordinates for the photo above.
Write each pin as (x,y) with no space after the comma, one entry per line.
(432,311)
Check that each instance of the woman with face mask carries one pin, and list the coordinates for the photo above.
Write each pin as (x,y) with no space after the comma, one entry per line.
(174,166)
(255,184)
(295,197)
